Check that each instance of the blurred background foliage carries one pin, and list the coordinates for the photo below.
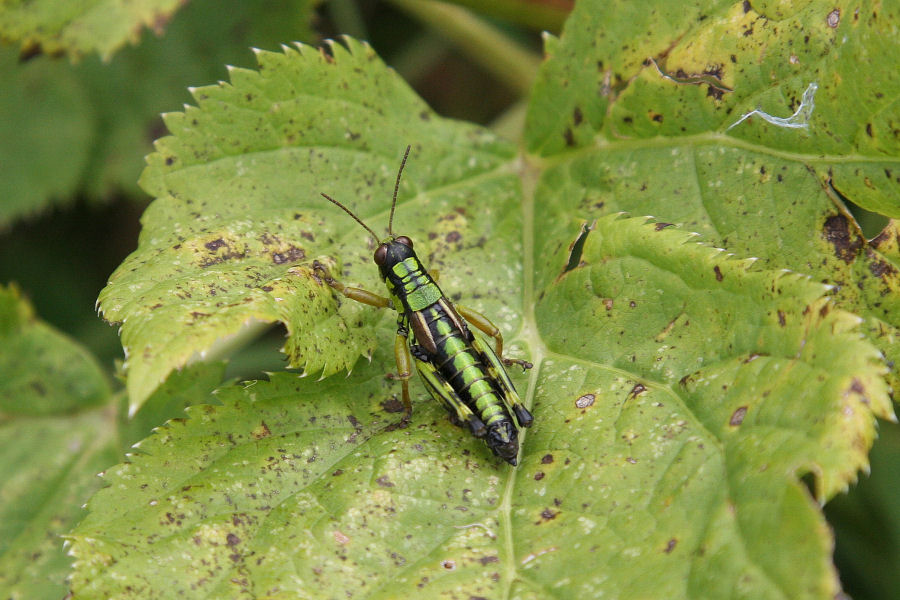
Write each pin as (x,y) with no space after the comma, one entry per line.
(74,131)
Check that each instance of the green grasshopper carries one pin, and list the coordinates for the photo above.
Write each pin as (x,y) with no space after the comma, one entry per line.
(459,369)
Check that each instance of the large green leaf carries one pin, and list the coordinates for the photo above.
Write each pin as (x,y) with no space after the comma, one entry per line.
(41,370)
(36,100)
(52,444)
(84,129)
(657,140)
(78,28)
(49,468)
(681,394)
(656,449)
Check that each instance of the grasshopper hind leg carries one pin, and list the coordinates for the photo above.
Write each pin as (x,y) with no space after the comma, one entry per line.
(485,326)
(524,417)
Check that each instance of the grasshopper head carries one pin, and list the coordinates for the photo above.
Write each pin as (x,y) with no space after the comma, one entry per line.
(393,250)
(503,439)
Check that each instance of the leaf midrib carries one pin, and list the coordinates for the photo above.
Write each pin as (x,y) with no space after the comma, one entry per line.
(706,139)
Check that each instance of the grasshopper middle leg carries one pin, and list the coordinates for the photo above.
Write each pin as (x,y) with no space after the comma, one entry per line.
(401,348)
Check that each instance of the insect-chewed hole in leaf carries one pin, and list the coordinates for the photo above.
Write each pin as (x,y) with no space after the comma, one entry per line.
(809,482)
(263,355)
(576,248)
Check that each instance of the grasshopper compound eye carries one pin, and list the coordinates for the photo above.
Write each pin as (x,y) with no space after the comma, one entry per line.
(405,241)
(381,254)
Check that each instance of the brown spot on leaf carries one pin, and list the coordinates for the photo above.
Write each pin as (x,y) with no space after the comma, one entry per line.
(737,417)
(261,431)
(718,272)
(836,231)
(880,268)
(384,481)
(577,117)
(289,255)
(392,405)
(547,459)
(340,538)
(670,545)
(834,18)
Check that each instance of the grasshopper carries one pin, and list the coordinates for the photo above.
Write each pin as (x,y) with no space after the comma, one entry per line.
(459,369)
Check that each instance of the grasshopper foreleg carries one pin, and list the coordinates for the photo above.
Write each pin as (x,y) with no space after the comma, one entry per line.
(401,349)
(357,294)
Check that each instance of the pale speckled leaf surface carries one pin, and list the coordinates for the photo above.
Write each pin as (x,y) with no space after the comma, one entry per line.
(687,70)
(677,410)
(681,394)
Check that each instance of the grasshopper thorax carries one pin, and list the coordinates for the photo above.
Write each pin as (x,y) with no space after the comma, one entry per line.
(410,285)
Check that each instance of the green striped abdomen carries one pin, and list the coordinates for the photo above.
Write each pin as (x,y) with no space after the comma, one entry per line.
(458,362)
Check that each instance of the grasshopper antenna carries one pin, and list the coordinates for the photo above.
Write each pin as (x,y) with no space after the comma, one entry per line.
(349,212)
(396,188)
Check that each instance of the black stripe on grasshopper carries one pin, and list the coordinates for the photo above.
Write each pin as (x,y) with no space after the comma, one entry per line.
(459,369)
